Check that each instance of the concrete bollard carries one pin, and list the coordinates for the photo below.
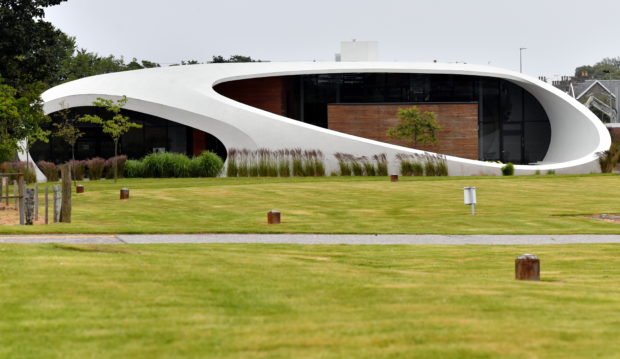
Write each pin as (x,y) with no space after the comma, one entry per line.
(527,267)
(393,178)
(124,193)
(79,188)
(273,217)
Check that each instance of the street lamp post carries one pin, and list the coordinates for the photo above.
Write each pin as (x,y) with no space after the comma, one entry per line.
(521,58)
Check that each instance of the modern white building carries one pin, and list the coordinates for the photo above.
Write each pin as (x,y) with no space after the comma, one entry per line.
(487,114)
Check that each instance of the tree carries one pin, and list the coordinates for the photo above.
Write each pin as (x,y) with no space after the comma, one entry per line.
(234,58)
(31,50)
(67,129)
(21,118)
(116,126)
(416,126)
(604,69)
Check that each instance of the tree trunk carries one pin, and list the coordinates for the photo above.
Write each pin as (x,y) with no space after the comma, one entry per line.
(115,159)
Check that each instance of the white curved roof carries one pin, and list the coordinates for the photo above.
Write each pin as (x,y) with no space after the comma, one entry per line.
(185,94)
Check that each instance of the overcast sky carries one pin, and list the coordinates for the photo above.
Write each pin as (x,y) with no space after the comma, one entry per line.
(559,34)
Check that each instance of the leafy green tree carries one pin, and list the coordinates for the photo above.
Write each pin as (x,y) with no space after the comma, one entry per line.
(416,126)
(604,69)
(116,126)
(234,58)
(31,50)
(66,128)
(20,120)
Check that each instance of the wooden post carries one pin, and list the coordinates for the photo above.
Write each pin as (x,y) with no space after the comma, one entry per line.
(6,184)
(29,206)
(36,201)
(57,202)
(527,267)
(47,207)
(1,187)
(15,193)
(273,217)
(79,188)
(22,193)
(393,178)
(65,208)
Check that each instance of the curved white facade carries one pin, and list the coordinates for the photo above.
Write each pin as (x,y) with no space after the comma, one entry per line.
(185,94)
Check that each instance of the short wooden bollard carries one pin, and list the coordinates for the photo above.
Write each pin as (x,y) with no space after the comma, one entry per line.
(527,267)
(124,193)
(393,178)
(79,188)
(273,217)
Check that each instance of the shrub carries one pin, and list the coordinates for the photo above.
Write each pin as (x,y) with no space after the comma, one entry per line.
(208,164)
(508,169)
(95,168)
(50,170)
(134,169)
(20,167)
(406,168)
(551,172)
(120,166)
(167,165)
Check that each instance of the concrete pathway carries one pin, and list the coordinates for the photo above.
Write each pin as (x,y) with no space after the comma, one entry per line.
(353,239)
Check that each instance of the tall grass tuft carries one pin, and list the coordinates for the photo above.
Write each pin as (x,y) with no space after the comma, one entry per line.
(120,165)
(231,167)
(382,164)
(369,167)
(609,159)
(284,166)
(344,163)
(298,166)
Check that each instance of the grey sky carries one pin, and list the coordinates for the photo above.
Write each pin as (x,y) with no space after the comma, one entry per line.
(559,34)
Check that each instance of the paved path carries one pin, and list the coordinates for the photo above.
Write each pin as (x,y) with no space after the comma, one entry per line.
(314,239)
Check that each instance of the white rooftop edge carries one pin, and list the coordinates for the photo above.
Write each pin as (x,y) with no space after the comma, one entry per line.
(185,94)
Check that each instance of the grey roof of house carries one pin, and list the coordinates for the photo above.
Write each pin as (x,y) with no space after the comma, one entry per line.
(612,85)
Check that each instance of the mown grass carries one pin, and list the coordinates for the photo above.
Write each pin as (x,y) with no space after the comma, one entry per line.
(290,301)
(506,205)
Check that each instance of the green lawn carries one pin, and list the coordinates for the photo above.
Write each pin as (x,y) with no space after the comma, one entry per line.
(510,205)
(288,301)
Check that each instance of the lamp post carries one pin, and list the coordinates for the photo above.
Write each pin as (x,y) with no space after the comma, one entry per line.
(521,58)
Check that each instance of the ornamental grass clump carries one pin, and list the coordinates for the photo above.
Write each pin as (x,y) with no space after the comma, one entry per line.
(79,169)
(243,163)
(134,169)
(609,159)
(50,170)
(231,166)
(120,163)
(164,165)
(344,163)
(382,164)
(96,166)
(369,167)
(208,164)
(284,166)
(298,166)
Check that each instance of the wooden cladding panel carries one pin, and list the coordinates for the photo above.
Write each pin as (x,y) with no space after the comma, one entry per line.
(459,125)
(265,93)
